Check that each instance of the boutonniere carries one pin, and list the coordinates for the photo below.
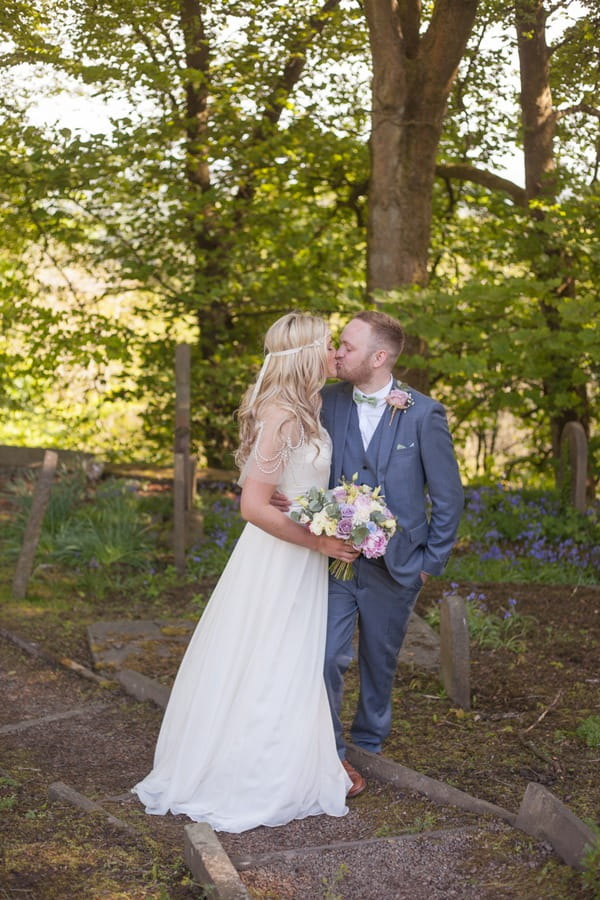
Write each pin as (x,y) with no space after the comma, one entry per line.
(399,399)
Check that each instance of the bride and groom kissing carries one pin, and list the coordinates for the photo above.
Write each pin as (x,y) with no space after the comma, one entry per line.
(252,733)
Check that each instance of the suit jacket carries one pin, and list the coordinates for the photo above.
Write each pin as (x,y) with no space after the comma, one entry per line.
(415,453)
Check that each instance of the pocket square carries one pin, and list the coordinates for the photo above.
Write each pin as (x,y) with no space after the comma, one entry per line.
(404,447)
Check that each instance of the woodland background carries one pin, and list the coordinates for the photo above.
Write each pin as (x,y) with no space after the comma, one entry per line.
(437,159)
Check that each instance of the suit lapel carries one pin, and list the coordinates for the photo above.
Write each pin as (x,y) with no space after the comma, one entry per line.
(341,422)
(389,432)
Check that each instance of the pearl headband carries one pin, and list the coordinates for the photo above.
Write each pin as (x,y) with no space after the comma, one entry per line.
(288,352)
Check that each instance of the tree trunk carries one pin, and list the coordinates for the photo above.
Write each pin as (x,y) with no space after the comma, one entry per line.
(539,124)
(210,239)
(412,78)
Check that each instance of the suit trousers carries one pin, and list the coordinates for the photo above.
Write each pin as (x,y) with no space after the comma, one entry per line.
(382,607)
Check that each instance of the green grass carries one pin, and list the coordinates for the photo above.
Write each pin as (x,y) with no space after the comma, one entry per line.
(589,731)
(112,537)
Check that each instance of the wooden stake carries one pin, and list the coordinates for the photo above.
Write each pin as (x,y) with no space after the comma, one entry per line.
(179,513)
(182,414)
(34,525)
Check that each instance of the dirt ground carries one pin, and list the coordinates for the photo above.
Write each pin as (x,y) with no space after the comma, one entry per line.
(522,727)
(527,707)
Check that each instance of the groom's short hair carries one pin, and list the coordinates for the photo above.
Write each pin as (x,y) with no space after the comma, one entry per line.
(386,330)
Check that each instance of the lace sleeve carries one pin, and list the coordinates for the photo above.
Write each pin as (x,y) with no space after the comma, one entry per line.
(272,448)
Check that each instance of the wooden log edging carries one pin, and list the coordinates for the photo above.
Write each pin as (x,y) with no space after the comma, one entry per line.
(541,814)
(391,772)
(56,662)
(210,864)
(24,725)
(143,688)
(242,863)
(16,457)
(63,793)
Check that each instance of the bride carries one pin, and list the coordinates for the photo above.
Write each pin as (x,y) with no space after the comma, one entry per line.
(247,737)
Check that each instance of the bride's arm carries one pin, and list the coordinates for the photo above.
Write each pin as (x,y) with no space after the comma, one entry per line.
(276,438)
(256,507)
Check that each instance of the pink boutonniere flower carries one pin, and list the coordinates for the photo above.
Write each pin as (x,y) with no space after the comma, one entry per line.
(399,400)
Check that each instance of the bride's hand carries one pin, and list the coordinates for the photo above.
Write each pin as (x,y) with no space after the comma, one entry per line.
(337,548)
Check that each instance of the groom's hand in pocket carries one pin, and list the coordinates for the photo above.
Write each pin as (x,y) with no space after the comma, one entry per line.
(280,501)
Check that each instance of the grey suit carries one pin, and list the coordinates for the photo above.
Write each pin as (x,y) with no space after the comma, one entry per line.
(406,455)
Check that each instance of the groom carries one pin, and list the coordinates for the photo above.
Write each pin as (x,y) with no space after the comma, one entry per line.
(398,440)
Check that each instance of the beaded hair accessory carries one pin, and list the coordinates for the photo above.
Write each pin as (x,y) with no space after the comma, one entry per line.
(287,352)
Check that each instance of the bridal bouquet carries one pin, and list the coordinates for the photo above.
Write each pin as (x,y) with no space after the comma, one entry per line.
(351,511)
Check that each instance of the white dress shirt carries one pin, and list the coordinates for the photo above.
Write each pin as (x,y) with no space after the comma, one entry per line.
(369,416)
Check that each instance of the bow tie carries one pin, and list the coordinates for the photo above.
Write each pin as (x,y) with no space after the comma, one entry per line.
(362,398)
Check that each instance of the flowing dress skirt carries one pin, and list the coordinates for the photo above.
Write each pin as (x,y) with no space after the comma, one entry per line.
(247,737)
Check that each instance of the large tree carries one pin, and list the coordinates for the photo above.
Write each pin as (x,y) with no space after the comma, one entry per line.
(222,196)
(563,385)
(414,66)
(513,308)
(233,184)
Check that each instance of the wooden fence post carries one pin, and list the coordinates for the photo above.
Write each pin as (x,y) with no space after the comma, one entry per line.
(31,536)
(179,513)
(182,415)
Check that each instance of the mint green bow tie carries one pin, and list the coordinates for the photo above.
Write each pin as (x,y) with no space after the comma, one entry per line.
(361,398)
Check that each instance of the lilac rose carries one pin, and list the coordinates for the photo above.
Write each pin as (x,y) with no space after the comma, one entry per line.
(344,528)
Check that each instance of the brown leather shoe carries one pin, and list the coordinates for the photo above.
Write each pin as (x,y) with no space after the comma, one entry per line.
(358,782)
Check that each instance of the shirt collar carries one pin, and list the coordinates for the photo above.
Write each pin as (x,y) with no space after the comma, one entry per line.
(382,393)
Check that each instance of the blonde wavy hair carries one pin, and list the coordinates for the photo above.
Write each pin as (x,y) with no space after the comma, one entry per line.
(290,382)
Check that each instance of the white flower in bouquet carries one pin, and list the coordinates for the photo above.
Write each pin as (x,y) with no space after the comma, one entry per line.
(353,512)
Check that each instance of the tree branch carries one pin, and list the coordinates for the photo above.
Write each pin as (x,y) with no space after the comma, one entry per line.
(444,42)
(409,13)
(295,62)
(169,40)
(284,83)
(543,714)
(114,232)
(578,107)
(145,40)
(465,172)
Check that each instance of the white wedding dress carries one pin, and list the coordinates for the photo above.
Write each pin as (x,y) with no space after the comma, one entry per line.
(247,737)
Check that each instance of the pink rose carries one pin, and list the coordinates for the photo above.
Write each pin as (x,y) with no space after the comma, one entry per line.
(399,400)
(375,545)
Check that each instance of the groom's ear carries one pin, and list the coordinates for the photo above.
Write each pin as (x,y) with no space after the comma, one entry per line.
(380,358)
